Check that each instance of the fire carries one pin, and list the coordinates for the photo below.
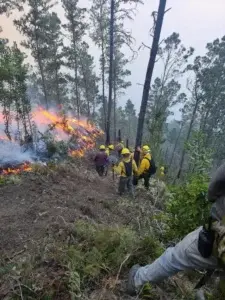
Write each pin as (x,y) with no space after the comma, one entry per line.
(80,134)
(25,167)
(84,132)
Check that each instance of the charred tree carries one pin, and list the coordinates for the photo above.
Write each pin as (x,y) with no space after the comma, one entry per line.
(148,77)
(108,121)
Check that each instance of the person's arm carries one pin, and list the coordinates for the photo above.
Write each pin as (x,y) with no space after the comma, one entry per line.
(134,166)
(142,167)
(118,169)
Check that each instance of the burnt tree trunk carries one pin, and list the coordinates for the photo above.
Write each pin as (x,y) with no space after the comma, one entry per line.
(108,121)
(148,77)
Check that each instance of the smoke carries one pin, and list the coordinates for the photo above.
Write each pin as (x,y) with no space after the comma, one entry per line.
(12,152)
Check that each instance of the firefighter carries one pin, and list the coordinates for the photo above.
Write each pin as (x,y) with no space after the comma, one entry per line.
(112,159)
(101,160)
(110,150)
(147,166)
(126,169)
(201,249)
(119,148)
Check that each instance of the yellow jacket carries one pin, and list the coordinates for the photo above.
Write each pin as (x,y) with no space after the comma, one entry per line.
(120,169)
(107,151)
(145,164)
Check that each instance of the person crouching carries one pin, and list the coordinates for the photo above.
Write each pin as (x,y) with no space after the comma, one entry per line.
(126,169)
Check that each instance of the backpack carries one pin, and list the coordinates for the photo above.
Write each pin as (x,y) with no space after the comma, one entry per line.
(153,168)
(128,168)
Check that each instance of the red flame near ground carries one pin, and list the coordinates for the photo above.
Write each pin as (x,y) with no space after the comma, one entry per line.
(63,128)
(25,167)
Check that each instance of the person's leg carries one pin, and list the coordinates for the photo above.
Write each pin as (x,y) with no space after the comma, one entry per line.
(98,170)
(122,184)
(146,181)
(183,256)
(130,186)
(101,170)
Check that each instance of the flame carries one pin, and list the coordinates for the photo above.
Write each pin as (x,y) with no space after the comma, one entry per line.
(84,132)
(63,129)
(25,167)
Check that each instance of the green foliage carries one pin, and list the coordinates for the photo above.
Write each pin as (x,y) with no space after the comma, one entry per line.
(199,155)
(188,207)
(103,250)
(14,101)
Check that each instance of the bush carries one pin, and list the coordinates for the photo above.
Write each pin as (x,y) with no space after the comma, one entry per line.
(188,208)
(103,251)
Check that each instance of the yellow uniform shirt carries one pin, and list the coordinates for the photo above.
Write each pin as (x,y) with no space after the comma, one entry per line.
(145,164)
(120,169)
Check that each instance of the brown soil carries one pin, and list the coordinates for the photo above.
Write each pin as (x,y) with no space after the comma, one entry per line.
(43,206)
(29,210)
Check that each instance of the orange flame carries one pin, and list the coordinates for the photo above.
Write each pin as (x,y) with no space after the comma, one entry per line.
(84,132)
(25,167)
(63,128)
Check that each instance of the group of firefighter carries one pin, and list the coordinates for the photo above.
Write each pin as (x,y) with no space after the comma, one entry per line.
(120,160)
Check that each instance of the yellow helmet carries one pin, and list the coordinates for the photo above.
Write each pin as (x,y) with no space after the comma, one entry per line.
(111,147)
(125,151)
(162,168)
(102,147)
(145,148)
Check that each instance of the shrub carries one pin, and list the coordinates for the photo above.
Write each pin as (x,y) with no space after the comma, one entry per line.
(188,208)
(103,251)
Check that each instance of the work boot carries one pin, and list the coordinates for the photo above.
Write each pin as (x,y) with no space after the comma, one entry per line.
(131,290)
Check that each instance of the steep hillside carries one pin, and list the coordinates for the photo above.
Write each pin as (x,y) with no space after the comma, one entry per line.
(65,234)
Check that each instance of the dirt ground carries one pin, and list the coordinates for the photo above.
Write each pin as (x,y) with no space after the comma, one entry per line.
(41,207)
(32,208)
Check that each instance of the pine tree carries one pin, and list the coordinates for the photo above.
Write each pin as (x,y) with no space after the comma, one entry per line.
(34,26)
(6,6)
(89,81)
(14,100)
(56,82)
(76,28)
(99,14)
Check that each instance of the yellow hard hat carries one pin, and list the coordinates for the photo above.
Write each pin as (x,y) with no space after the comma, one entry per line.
(102,147)
(145,148)
(125,151)
(111,147)
(162,168)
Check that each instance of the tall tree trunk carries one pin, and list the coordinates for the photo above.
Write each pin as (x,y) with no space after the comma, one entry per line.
(57,86)
(75,70)
(41,65)
(148,77)
(43,81)
(114,109)
(103,72)
(103,87)
(187,138)
(108,121)
(175,145)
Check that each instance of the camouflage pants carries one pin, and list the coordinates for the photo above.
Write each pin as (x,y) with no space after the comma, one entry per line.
(126,183)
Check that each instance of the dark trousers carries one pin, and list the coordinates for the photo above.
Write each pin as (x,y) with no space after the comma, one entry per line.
(126,183)
(146,178)
(100,170)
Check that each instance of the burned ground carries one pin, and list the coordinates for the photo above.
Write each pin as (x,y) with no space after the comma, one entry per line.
(29,210)
(38,237)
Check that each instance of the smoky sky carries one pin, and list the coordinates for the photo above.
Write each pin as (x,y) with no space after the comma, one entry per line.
(197,21)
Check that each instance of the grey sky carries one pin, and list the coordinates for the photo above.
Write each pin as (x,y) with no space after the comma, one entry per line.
(197,21)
